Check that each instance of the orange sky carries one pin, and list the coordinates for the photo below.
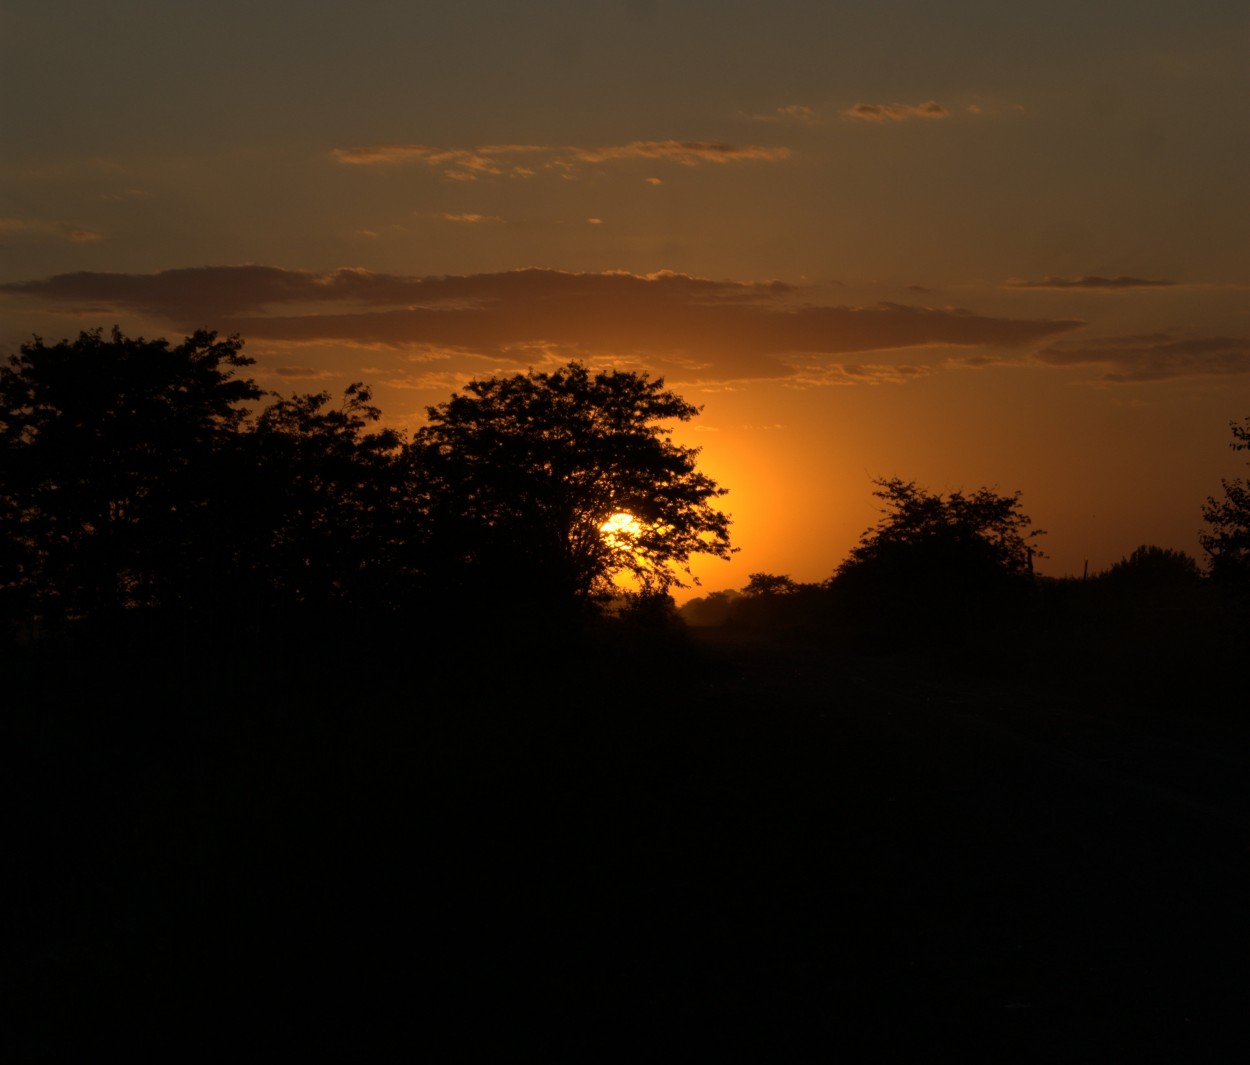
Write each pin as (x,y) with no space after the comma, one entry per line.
(963,246)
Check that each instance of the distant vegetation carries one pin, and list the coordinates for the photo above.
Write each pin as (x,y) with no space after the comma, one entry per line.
(941,571)
(144,480)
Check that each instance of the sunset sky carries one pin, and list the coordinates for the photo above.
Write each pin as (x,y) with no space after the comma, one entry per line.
(971,243)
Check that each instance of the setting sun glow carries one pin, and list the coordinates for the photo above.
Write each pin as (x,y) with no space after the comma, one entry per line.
(621,530)
(909,249)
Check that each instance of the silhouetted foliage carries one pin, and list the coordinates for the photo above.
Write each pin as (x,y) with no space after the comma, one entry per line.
(522,472)
(980,530)
(769,584)
(711,609)
(1227,542)
(1150,567)
(931,558)
(136,476)
(332,500)
(115,469)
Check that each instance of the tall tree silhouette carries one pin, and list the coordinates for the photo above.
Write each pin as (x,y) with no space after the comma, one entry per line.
(525,474)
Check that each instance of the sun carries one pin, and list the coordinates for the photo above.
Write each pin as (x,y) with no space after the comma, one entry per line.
(621,530)
(620,534)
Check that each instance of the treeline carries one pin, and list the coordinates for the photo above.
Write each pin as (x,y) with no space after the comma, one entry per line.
(144,480)
(141,477)
(959,571)
(1150,574)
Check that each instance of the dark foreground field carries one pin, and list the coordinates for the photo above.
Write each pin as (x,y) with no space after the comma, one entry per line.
(653,848)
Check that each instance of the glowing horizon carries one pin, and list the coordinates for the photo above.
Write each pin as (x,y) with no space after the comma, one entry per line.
(889,243)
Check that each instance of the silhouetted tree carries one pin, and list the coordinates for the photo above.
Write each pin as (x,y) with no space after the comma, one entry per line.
(523,473)
(330,501)
(932,557)
(1154,568)
(136,475)
(1227,542)
(980,530)
(769,584)
(113,455)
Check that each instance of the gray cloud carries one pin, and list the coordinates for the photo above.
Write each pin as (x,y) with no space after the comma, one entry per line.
(1097,283)
(203,292)
(718,330)
(1153,357)
(43,227)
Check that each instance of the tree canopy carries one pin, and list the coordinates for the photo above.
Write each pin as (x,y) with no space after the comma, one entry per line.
(1227,540)
(769,584)
(1152,567)
(553,484)
(113,454)
(136,474)
(140,475)
(932,556)
(982,529)
(331,500)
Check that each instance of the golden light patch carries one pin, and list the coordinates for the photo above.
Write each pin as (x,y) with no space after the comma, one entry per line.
(621,530)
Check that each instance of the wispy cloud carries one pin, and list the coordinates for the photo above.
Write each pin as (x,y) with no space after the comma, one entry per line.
(199,294)
(799,114)
(501,160)
(816,374)
(1153,357)
(704,329)
(896,112)
(490,159)
(40,226)
(471,218)
(302,373)
(1095,283)
(686,153)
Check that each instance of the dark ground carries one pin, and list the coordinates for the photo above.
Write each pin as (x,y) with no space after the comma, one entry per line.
(701,846)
